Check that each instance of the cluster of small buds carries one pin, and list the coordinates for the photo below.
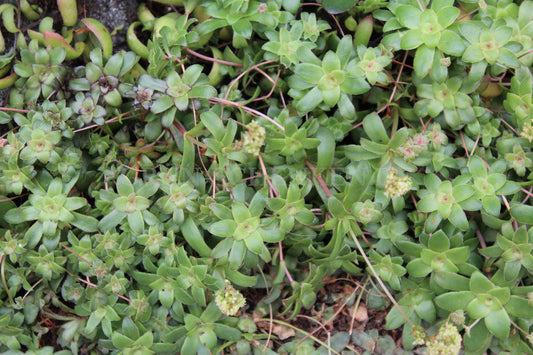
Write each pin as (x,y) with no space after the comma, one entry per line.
(446,342)
(435,136)
(527,132)
(421,141)
(409,150)
(419,335)
(254,138)
(414,146)
(445,62)
(396,186)
(458,317)
(229,300)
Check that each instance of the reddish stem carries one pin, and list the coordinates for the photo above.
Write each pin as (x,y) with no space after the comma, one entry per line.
(79,256)
(291,280)
(13,110)
(318,178)
(273,190)
(210,59)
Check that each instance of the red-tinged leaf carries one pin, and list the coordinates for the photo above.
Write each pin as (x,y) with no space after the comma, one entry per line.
(101,33)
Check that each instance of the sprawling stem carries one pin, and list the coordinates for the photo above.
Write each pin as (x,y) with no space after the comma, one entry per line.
(389,295)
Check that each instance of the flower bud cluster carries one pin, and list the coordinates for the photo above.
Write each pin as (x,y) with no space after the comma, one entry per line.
(254,138)
(446,342)
(436,136)
(396,186)
(418,335)
(527,132)
(229,300)
(414,146)
(458,317)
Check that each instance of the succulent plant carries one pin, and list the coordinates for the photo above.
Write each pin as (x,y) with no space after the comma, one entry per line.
(448,98)
(52,209)
(331,80)
(109,78)
(87,109)
(41,74)
(40,144)
(142,96)
(331,141)
(175,92)
(53,113)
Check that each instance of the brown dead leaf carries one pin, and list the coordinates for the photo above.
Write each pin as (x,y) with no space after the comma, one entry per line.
(282,331)
(361,314)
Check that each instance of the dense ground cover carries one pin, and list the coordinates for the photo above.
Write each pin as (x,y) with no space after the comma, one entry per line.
(267,177)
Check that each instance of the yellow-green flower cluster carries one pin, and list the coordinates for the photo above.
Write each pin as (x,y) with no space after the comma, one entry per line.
(254,138)
(229,300)
(418,335)
(527,131)
(396,186)
(446,342)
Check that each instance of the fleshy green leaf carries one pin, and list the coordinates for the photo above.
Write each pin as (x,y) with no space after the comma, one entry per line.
(417,268)
(498,323)
(374,128)
(411,39)
(243,27)
(453,301)
(479,283)
(522,213)
(473,54)
(439,242)
(458,218)
(194,238)
(423,60)
(451,43)
(447,15)
(408,16)
(311,100)
(309,72)
(338,6)
(254,243)
(223,228)
(428,204)
(162,104)
(492,205)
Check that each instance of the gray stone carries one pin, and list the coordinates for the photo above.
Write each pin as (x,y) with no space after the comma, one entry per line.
(113,13)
